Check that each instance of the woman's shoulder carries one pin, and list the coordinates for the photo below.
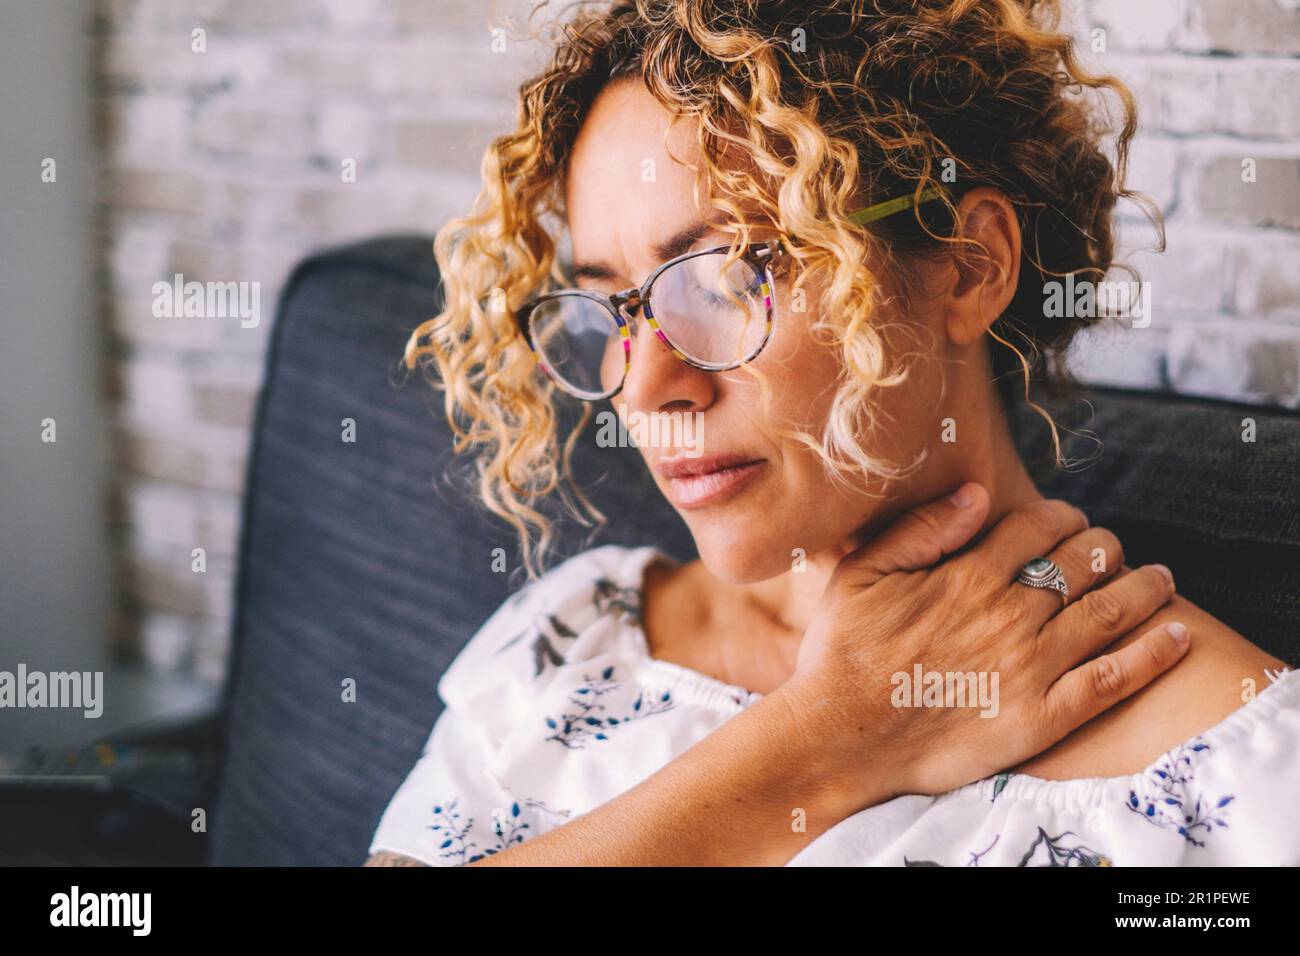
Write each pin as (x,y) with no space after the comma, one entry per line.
(565,614)
(1221,672)
(1221,797)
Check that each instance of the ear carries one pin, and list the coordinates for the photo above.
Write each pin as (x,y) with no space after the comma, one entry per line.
(983,281)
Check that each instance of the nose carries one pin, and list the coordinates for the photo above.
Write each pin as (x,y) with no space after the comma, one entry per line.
(658,380)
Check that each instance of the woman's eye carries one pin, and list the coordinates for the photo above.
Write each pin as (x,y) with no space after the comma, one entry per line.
(709,298)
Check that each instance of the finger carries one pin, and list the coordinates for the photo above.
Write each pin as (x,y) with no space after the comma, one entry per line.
(1028,532)
(1086,691)
(1084,559)
(1105,614)
(920,538)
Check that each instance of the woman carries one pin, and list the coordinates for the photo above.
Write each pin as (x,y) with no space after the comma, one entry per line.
(848,213)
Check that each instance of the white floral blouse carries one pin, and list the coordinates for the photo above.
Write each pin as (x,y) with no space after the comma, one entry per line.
(556,706)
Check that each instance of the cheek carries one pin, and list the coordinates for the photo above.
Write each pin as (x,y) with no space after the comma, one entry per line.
(802,371)
(804,367)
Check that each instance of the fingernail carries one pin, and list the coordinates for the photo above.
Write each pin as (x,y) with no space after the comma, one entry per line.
(1169,575)
(962,497)
(1178,632)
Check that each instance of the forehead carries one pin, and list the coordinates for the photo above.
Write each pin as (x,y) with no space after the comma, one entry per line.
(629,181)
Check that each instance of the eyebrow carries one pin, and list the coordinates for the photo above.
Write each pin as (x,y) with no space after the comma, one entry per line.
(675,245)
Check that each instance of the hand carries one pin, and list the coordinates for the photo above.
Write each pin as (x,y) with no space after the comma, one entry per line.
(895,603)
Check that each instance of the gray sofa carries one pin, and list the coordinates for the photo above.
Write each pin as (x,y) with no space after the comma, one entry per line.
(368,561)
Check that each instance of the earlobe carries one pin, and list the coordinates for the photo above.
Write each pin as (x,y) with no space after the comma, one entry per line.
(985,270)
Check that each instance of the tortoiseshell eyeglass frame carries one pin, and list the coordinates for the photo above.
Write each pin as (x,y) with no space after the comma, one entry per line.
(759,255)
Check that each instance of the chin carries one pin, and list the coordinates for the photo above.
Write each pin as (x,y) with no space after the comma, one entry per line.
(738,553)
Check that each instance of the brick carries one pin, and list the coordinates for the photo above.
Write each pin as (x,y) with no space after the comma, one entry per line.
(201,456)
(225,405)
(1193,273)
(259,17)
(228,129)
(169,585)
(167,63)
(350,131)
(131,318)
(162,515)
(1179,96)
(441,143)
(247,200)
(201,261)
(1216,188)
(1267,278)
(1153,169)
(1241,26)
(226,452)
(1214,358)
(133,251)
(157,457)
(219,522)
(157,190)
(336,209)
(358,15)
(434,199)
(1261,102)
(1236,361)
(325,71)
(247,261)
(1109,354)
(422,15)
(482,83)
(149,127)
(1136,26)
(156,389)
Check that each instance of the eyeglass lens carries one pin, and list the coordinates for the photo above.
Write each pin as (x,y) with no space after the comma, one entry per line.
(712,311)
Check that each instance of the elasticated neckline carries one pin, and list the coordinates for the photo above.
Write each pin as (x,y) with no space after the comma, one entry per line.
(706,691)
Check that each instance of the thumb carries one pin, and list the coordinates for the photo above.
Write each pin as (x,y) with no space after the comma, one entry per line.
(921,537)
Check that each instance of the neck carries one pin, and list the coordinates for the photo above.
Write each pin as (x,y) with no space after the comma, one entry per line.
(988,457)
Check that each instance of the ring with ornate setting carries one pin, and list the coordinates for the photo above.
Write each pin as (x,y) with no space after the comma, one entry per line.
(1043,573)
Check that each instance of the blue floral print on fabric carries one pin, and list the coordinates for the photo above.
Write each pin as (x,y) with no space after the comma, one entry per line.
(1168,799)
(507,828)
(590,720)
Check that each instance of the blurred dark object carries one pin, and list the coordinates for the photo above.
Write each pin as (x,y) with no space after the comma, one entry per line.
(358,562)
(138,799)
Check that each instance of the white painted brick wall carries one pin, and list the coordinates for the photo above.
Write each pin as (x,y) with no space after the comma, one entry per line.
(1216,84)
(224,166)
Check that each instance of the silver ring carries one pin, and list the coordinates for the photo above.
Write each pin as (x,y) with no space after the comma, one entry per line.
(1043,573)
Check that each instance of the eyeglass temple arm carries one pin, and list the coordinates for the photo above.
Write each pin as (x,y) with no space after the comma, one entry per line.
(890,206)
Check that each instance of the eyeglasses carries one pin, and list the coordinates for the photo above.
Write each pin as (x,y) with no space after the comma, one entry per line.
(713,310)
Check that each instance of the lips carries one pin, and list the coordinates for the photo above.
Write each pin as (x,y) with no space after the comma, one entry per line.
(691,467)
(693,483)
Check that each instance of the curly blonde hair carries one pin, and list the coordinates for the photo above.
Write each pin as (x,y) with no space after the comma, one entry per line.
(806,112)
